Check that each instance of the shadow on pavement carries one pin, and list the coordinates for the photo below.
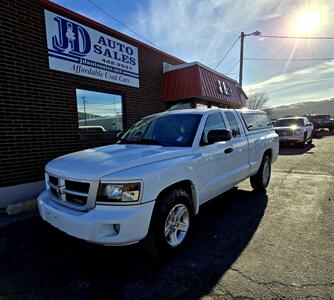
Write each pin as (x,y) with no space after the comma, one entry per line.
(323,133)
(38,261)
(294,150)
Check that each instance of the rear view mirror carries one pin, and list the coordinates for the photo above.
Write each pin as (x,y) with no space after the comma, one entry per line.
(221,135)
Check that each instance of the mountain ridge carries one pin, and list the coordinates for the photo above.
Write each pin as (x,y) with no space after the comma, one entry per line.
(303,108)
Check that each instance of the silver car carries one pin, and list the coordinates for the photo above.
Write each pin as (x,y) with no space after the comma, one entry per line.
(294,131)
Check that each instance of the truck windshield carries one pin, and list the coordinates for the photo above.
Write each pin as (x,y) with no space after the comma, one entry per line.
(173,130)
(289,122)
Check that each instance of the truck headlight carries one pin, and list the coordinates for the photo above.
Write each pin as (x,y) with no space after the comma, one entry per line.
(118,192)
(298,132)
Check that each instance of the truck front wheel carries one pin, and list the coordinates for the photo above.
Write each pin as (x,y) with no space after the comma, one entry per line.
(261,179)
(170,224)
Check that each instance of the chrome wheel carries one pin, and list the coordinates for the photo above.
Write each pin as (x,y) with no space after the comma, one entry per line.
(177,225)
(266,172)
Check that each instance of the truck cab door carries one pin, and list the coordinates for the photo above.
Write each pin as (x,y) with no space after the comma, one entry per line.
(239,143)
(215,164)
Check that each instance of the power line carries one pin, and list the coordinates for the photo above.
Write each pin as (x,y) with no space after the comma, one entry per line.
(124,25)
(299,37)
(227,24)
(233,67)
(229,50)
(289,59)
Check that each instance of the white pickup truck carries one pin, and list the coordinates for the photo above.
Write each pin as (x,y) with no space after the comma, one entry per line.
(151,183)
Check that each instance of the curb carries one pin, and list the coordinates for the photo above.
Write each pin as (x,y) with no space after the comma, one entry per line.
(21,207)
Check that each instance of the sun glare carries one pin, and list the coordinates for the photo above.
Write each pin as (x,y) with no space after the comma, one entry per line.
(307,22)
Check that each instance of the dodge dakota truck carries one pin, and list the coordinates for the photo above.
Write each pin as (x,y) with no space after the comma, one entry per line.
(148,186)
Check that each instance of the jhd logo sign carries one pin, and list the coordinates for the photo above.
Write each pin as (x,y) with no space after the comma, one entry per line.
(78,49)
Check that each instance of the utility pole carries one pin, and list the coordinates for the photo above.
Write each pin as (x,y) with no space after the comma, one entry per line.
(241,63)
(84,103)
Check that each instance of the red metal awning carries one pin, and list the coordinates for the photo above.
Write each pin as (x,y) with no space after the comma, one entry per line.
(194,80)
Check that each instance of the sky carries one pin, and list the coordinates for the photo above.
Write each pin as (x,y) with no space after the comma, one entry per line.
(204,30)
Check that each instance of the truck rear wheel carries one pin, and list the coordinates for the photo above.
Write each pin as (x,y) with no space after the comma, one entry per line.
(261,179)
(170,224)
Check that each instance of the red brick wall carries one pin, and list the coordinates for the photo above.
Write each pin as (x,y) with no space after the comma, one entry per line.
(38,111)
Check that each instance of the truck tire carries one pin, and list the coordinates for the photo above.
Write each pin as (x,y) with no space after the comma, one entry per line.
(170,224)
(302,144)
(261,179)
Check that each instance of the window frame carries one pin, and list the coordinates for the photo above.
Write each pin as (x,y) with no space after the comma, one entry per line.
(208,116)
(238,123)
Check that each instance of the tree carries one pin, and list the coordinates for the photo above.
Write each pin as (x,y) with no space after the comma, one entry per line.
(257,99)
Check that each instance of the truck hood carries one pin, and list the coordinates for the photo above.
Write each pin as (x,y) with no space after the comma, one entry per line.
(92,164)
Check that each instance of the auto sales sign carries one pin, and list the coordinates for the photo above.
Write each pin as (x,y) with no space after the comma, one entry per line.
(78,49)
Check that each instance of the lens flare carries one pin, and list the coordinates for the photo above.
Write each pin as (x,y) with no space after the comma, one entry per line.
(307,22)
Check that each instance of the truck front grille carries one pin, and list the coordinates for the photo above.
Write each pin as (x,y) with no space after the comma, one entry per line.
(70,191)
(285,132)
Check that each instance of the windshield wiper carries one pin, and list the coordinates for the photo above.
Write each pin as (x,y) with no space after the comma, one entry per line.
(142,141)
(124,141)
(150,142)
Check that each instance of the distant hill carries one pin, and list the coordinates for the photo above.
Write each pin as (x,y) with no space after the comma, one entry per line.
(303,108)
(81,116)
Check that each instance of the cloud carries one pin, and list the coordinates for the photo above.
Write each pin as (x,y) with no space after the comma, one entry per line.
(194,30)
(307,84)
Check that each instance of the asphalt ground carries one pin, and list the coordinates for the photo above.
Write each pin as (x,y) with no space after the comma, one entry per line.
(243,245)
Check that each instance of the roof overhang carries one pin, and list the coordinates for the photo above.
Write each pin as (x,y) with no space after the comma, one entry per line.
(195,80)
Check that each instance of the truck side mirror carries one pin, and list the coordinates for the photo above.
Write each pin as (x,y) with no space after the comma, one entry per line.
(219,135)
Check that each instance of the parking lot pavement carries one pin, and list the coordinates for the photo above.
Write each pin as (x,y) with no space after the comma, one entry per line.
(277,245)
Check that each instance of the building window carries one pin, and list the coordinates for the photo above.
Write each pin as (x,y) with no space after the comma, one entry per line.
(99,112)
(201,105)
(180,105)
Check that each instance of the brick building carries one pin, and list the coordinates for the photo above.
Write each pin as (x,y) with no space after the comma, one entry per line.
(68,83)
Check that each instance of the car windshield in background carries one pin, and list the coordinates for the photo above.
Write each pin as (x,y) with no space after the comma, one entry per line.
(175,130)
(289,122)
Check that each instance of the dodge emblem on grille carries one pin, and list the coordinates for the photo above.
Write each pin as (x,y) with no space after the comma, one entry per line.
(60,191)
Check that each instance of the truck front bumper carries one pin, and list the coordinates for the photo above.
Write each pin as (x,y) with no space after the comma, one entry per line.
(107,225)
(291,139)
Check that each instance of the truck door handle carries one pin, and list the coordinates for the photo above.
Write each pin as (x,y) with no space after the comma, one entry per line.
(228,150)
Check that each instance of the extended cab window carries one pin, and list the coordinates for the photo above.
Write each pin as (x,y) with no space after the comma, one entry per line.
(213,122)
(256,121)
(233,123)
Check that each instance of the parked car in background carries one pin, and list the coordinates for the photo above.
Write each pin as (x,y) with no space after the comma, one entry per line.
(321,121)
(149,185)
(294,131)
(92,128)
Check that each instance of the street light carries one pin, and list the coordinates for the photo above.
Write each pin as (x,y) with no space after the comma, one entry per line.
(242,36)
